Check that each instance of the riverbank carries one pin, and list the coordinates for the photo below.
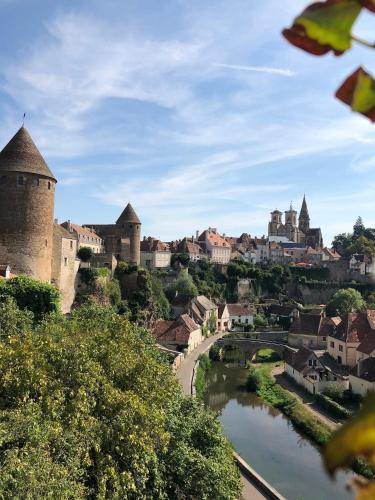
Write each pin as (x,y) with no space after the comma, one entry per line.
(263,383)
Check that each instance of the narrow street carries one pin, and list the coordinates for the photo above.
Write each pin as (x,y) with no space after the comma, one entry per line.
(185,375)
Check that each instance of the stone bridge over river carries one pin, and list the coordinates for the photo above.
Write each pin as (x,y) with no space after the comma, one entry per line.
(249,347)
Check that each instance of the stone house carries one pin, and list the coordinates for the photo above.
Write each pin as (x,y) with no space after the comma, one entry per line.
(343,341)
(85,237)
(241,313)
(181,334)
(65,265)
(330,255)
(314,370)
(215,245)
(224,321)
(155,254)
(190,248)
(312,330)
(204,313)
(279,312)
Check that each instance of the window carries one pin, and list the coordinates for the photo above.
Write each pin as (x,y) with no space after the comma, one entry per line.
(71,244)
(49,185)
(36,182)
(3,179)
(332,344)
(339,360)
(310,362)
(324,339)
(46,243)
(21,180)
(340,348)
(65,261)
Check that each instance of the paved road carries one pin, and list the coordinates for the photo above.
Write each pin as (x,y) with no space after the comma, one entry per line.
(185,375)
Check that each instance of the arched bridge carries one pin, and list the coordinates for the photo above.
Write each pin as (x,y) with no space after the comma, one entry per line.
(249,347)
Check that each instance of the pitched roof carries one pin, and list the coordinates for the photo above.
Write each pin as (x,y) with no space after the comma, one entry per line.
(81,230)
(205,303)
(153,245)
(306,324)
(240,309)
(221,310)
(281,310)
(214,238)
(304,213)
(298,359)
(63,233)
(175,331)
(128,215)
(367,345)
(22,155)
(186,246)
(353,328)
(328,325)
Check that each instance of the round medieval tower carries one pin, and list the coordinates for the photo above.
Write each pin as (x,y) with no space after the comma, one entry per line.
(27,196)
(130,227)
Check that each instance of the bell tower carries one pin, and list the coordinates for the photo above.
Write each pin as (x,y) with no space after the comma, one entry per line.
(304,218)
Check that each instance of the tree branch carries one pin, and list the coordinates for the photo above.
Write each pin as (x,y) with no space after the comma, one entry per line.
(363,42)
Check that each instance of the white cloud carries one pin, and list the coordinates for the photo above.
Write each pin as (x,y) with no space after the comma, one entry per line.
(257,69)
(364,165)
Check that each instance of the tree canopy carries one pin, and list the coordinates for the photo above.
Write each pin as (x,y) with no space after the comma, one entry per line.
(85,254)
(345,301)
(90,409)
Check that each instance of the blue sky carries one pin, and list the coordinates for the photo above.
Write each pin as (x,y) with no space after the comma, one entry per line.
(196,111)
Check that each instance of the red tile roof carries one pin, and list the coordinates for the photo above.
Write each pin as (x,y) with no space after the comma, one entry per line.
(241,309)
(353,328)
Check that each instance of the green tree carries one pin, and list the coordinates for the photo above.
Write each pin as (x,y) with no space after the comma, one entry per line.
(36,296)
(362,245)
(358,228)
(345,301)
(342,242)
(90,409)
(85,254)
(184,285)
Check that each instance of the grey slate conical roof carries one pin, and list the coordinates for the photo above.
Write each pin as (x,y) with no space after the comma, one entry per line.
(22,155)
(304,213)
(128,215)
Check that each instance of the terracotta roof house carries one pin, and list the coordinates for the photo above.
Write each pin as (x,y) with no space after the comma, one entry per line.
(330,254)
(178,335)
(314,370)
(85,236)
(191,248)
(215,245)
(312,330)
(348,335)
(362,377)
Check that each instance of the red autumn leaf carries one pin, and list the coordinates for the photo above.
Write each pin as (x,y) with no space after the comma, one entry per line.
(358,92)
(324,26)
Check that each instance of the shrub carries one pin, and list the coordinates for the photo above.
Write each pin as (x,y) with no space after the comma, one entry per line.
(200,378)
(332,407)
(36,296)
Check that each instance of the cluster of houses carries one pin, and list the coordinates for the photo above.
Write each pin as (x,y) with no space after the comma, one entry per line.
(332,351)
(197,318)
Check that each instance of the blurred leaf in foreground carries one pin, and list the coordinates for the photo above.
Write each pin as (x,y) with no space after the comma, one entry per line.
(358,92)
(325,26)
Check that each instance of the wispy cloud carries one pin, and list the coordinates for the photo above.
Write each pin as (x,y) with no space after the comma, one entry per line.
(257,69)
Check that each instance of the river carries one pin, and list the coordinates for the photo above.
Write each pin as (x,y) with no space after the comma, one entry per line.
(267,440)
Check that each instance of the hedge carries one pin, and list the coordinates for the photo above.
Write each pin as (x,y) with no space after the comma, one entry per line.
(331,406)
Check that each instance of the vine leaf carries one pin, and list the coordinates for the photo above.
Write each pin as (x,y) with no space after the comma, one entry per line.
(369,4)
(325,26)
(355,438)
(358,92)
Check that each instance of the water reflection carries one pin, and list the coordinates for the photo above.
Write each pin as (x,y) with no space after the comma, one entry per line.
(286,459)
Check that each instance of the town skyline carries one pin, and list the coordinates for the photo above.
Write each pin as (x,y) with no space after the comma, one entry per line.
(168,121)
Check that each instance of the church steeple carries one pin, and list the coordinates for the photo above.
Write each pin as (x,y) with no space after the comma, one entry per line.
(304,218)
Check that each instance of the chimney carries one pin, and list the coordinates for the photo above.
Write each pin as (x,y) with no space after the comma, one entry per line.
(56,221)
(69,226)
(197,234)
(144,238)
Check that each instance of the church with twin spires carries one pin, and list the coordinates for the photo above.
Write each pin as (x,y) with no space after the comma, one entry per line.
(298,233)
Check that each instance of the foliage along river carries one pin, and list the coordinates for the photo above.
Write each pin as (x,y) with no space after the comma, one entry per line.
(268,441)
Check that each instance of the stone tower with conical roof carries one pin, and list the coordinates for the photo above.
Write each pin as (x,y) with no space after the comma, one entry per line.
(130,228)
(27,197)
(304,218)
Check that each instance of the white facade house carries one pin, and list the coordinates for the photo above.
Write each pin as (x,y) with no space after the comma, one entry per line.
(314,370)
(241,313)
(224,322)
(155,254)
(362,377)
